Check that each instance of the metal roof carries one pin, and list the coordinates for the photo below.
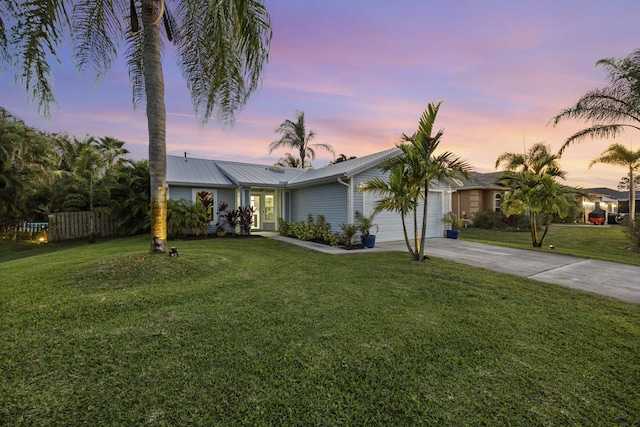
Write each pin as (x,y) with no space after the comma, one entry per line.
(345,169)
(247,174)
(191,171)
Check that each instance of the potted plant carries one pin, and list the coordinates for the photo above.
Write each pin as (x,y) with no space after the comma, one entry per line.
(454,223)
(366,224)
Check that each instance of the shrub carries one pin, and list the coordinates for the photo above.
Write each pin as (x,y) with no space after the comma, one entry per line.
(184,217)
(632,231)
(245,219)
(312,231)
(488,220)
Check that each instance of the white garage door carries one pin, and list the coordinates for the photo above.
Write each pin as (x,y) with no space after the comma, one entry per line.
(390,223)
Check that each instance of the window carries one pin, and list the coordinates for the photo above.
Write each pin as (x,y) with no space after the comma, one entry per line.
(497,201)
(269,208)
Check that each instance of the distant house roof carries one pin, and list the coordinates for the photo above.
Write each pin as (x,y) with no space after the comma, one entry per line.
(191,171)
(609,193)
(479,180)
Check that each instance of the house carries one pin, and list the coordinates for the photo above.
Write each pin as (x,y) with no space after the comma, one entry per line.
(290,193)
(611,201)
(479,193)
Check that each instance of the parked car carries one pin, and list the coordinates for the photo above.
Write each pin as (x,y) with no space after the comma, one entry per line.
(598,216)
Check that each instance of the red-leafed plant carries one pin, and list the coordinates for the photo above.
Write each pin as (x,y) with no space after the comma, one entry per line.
(245,214)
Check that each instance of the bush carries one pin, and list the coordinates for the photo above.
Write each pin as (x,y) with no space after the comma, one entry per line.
(632,231)
(184,217)
(489,220)
(311,231)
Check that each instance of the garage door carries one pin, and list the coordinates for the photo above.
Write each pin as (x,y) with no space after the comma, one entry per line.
(390,223)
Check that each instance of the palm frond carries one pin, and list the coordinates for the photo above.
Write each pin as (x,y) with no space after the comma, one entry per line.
(38,30)
(96,30)
(222,48)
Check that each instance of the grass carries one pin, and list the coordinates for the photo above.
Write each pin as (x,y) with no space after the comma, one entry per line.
(597,242)
(258,332)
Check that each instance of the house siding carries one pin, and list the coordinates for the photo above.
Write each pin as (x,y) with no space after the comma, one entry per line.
(227,195)
(329,200)
(177,193)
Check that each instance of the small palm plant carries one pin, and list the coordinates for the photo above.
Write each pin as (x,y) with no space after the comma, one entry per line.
(348,233)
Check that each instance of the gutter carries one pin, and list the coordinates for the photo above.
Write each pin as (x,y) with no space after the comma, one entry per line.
(349,197)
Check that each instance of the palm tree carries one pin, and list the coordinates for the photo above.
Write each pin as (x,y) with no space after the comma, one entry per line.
(113,153)
(289,161)
(532,187)
(397,196)
(424,169)
(341,158)
(609,110)
(221,48)
(295,136)
(619,155)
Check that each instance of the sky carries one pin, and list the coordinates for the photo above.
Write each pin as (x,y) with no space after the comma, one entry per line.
(363,72)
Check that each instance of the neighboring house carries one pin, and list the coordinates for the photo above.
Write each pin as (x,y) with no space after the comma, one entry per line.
(612,201)
(601,198)
(479,193)
(292,194)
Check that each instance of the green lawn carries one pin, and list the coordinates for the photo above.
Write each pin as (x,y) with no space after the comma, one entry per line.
(598,242)
(258,332)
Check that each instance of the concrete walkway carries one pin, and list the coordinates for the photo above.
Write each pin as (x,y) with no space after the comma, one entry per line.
(619,281)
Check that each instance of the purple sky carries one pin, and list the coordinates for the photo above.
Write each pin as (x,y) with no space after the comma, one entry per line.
(363,71)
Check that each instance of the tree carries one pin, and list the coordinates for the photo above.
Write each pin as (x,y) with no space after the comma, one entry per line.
(397,196)
(130,197)
(532,187)
(289,161)
(609,110)
(619,155)
(25,161)
(295,136)
(221,47)
(342,158)
(422,169)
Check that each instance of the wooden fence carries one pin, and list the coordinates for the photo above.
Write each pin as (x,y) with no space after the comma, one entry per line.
(76,225)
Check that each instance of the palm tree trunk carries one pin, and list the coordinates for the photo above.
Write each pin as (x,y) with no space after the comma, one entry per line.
(544,234)
(534,229)
(416,253)
(424,219)
(406,235)
(156,121)
(632,196)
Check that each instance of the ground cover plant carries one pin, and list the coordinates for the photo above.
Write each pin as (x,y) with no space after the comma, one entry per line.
(607,243)
(228,334)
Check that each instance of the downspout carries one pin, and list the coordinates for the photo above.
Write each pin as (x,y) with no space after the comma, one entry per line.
(349,198)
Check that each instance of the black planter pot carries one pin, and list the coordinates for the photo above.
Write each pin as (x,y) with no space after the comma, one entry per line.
(368,241)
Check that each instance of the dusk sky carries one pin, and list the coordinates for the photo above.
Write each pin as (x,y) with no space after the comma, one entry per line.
(363,71)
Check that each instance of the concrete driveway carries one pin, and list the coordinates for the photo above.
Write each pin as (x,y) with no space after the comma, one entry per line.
(602,277)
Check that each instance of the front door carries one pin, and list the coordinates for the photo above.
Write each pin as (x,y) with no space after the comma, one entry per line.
(264,205)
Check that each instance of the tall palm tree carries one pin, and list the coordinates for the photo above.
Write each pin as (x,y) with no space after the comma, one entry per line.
(609,110)
(221,48)
(619,155)
(424,169)
(295,136)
